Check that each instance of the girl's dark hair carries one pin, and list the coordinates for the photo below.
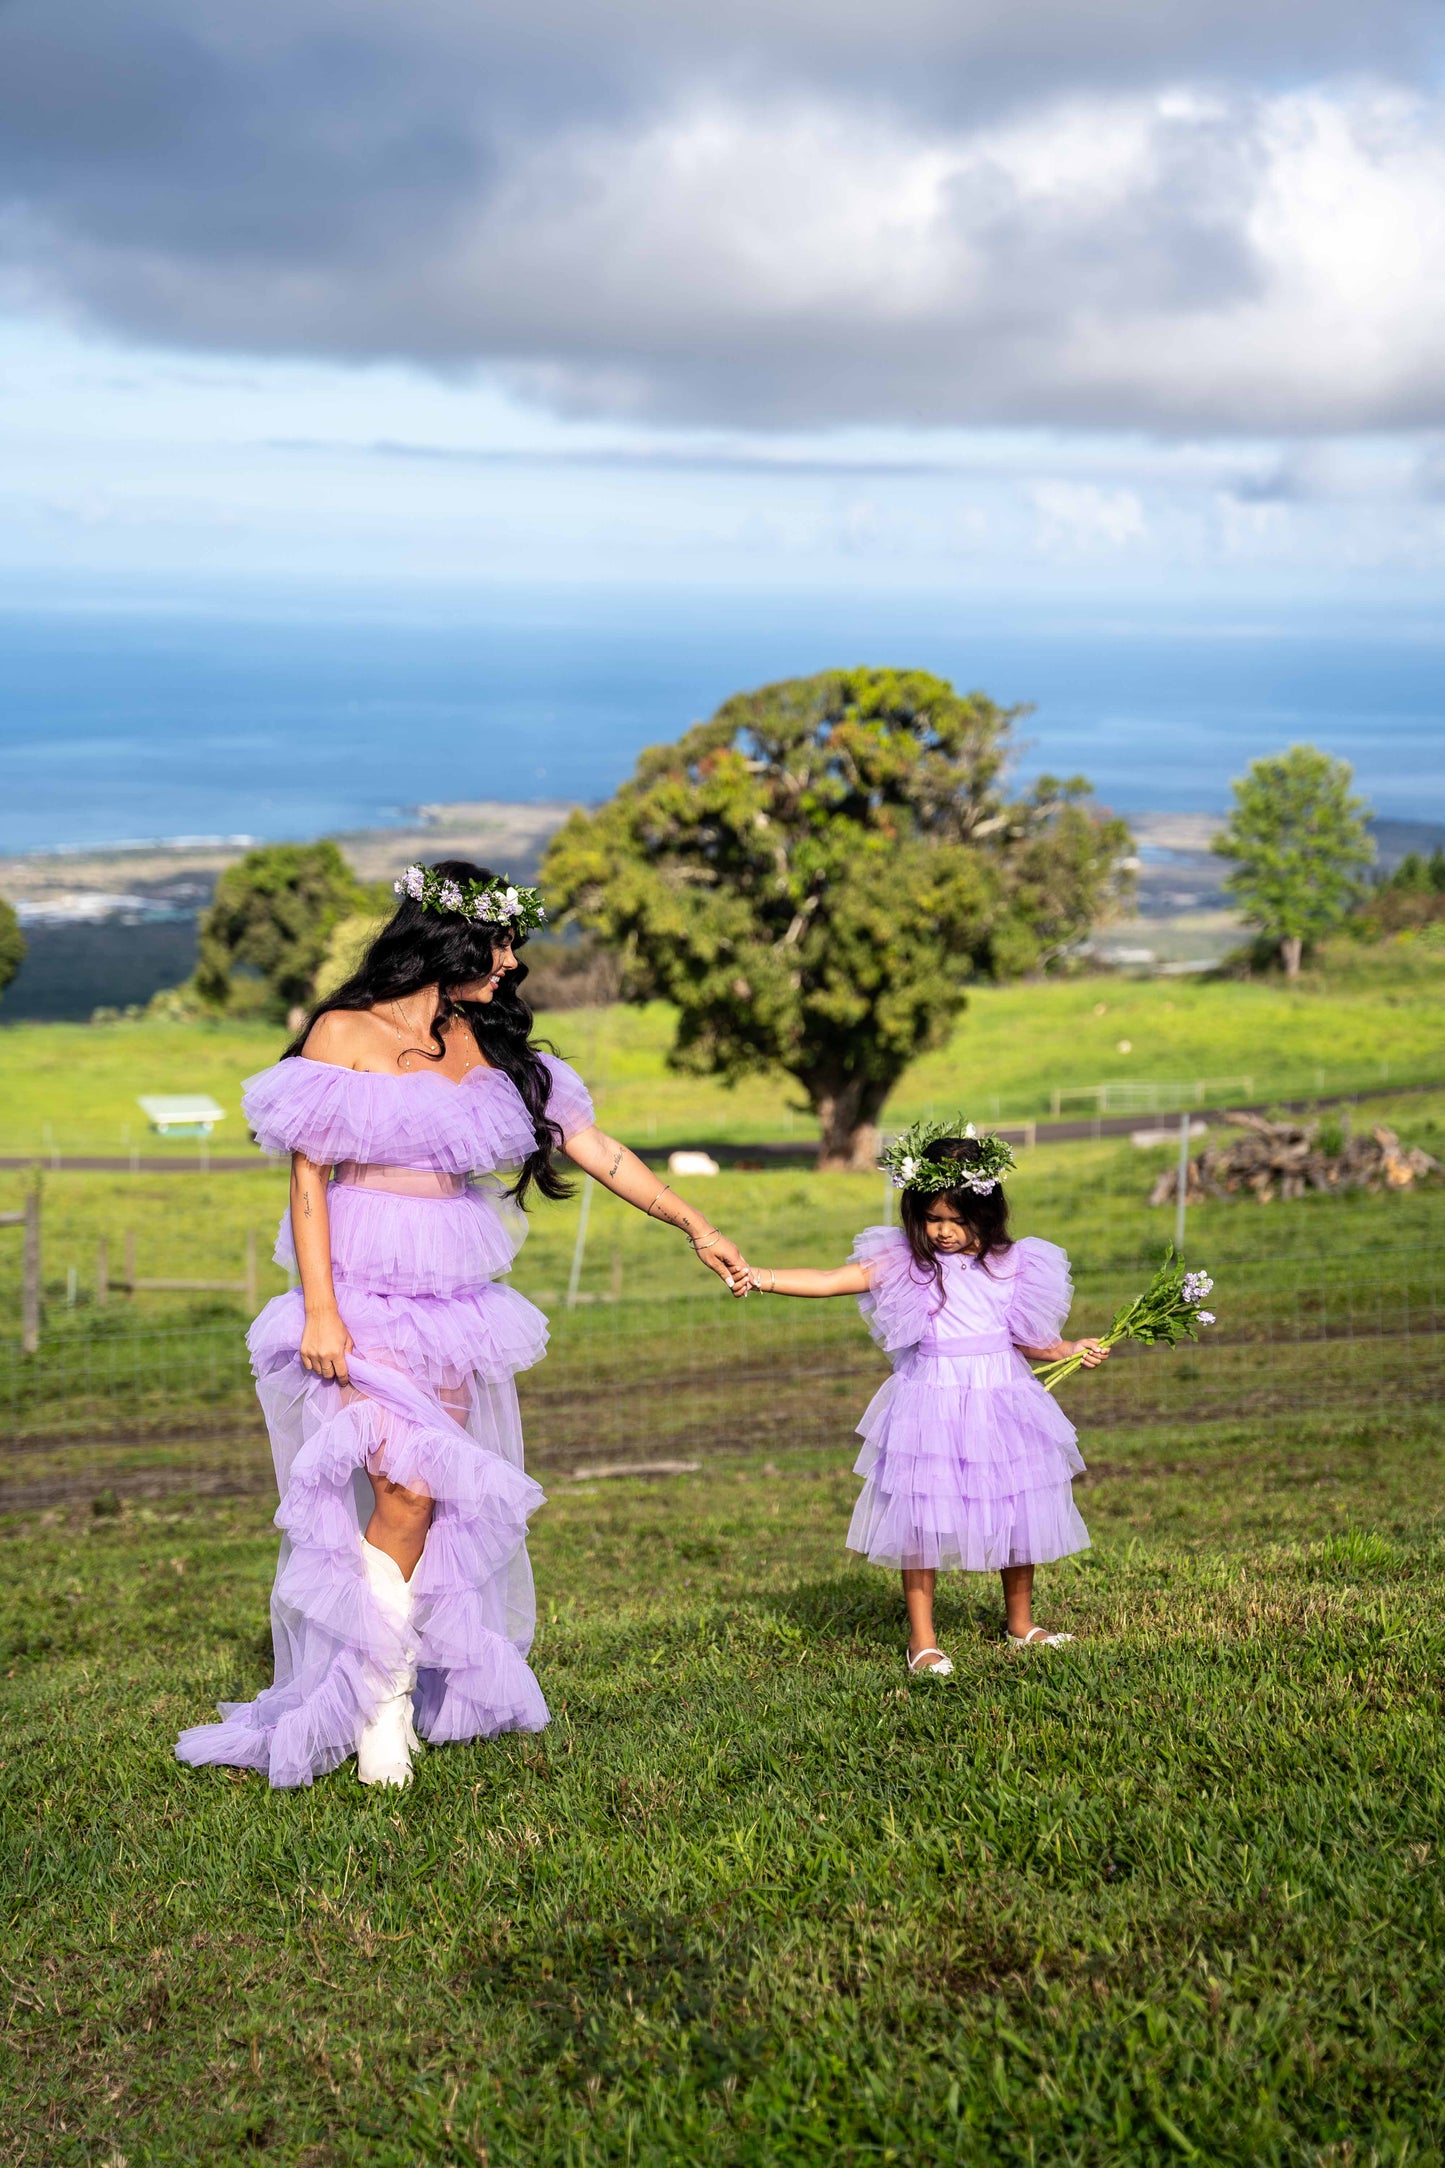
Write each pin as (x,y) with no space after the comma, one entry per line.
(985,1217)
(417,948)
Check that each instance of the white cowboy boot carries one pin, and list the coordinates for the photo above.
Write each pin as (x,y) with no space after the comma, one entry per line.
(383,1750)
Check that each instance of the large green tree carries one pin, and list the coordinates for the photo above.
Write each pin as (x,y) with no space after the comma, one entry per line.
(272,919)
(12,943)
(1299,842)
(813,877)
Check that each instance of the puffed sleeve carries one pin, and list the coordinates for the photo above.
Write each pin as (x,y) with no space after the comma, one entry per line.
(309,1106)
(569,1103)
(902,1297)
(331,1114)
(1042,1292)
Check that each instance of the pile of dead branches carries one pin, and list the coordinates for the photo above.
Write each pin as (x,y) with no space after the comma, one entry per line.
(1286,1158)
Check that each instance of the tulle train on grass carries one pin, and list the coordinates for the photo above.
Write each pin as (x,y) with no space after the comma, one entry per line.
(432,1405)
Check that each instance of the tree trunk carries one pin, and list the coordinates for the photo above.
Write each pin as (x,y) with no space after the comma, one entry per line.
(848,1114)
(1290,948)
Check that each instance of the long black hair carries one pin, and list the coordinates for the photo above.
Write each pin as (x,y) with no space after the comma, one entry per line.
(984,1215)
(417,948)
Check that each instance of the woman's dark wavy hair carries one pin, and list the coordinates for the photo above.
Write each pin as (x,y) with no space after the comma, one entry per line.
(418,948)
(985,1217)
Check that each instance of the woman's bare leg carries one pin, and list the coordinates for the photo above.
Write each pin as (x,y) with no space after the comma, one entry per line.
(1018,1598)
(399,1523)
(918,1595)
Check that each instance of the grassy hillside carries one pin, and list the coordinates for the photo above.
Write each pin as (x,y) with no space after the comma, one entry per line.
(754,1898)
(1374,1018)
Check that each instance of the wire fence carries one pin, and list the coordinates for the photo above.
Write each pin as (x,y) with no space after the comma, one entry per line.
(150,1412)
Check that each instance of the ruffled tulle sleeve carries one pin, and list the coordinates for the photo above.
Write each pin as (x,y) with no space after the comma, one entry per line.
(570,1103)
(1042,1292)
(334,1114)
(901,1299)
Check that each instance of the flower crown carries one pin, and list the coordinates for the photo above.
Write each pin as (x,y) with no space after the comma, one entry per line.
(494,902)
(911,1164)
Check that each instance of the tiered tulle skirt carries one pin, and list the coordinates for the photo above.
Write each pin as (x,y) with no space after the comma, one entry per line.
(968,1464)
(432,1406)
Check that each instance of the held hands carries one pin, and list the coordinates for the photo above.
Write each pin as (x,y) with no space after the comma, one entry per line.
(725,1259)
(325,1345)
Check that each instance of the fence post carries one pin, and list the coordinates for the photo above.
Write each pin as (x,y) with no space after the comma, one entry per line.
(130,1260)
(574,1280)
(30,1272)
(102,1273)
(1183,1194)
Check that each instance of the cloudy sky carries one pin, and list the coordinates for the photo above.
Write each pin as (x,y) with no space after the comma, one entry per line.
(948,291)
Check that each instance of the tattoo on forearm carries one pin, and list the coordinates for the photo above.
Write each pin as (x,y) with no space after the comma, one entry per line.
(617,1159)
(306,1202)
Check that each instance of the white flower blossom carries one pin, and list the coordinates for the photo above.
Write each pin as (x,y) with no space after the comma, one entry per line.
(450,896)
(1204,1317)
(415,880)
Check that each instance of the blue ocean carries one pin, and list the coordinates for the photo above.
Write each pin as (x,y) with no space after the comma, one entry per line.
(274,717)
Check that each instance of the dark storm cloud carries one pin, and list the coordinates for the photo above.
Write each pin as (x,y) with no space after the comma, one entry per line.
(778,211)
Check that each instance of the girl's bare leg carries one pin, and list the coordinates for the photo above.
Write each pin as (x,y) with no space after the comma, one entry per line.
(918,1595)
(1018,1598)
(399,1523)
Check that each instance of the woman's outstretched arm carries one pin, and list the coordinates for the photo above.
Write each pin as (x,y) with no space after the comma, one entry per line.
(325,1341)
(629,1178)
(804,1280)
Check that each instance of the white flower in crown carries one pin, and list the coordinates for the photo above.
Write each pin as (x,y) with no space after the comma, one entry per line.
(969,1130)
(512,901)
(450,896)
(1204,1317)
(414,881)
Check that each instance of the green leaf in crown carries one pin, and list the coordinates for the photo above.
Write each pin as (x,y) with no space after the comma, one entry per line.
(911,1163)
(497,902)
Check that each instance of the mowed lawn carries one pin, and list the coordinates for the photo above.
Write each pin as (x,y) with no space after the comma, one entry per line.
(1371,1018)
(1171,1894)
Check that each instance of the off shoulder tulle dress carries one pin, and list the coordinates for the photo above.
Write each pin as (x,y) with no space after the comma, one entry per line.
(967,1461)
(421,1230)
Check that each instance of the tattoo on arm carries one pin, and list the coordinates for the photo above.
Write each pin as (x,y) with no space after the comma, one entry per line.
(306,1202)
(617,1159)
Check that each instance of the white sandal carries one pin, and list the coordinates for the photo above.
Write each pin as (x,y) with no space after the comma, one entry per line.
(1038,1638)
(943,1669)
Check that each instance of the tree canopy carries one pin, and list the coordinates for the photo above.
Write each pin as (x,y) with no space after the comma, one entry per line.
(12,943)
(272,919)
(1299,842)
(813,877)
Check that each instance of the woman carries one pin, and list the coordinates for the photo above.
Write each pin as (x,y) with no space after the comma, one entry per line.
(403,1591)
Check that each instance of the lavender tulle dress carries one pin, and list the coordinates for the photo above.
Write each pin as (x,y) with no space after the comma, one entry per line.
(419,1237)
(967,1460)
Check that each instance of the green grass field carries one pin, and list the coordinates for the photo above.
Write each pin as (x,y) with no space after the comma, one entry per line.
(1171,1894)
(1372,1018)
(754,1898)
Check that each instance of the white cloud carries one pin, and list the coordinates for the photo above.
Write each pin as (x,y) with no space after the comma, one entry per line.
(1080,516)
(1220,217)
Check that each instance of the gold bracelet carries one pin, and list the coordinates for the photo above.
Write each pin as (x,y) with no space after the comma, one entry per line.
(773,1283)
(661,1193)
(711,1243)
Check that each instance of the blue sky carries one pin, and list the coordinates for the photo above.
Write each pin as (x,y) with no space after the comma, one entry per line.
(1090,297)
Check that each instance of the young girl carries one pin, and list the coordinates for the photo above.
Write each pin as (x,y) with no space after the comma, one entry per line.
(967,1460)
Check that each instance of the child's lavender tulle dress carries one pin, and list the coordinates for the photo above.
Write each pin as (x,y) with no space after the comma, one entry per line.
(416,1250)
(967,1460)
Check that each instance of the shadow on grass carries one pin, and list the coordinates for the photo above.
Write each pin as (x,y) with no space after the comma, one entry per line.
(865,1608)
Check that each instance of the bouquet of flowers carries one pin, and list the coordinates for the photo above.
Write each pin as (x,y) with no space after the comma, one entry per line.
(1167,1312)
